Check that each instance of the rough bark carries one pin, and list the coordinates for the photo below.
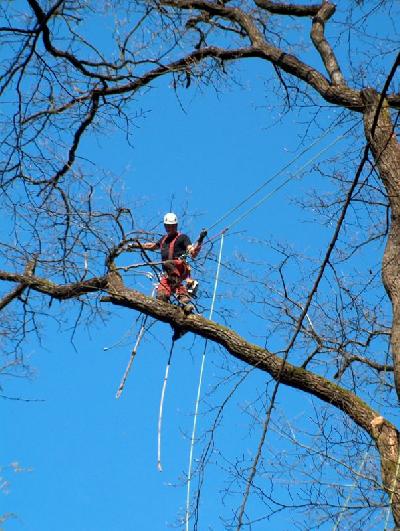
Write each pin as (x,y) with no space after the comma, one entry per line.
(386,151)
(321,44)
(18,291)
(385,148)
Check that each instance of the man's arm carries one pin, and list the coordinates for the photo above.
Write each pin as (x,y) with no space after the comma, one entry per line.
(146,246)
(195,248)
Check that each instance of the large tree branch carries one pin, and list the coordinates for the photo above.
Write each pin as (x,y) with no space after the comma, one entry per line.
(17,292)
(56,291)
(379,130)
(278,8)
(249,353)
(342,95)
(337,92)
(322,45)
(118,294)
(382,431)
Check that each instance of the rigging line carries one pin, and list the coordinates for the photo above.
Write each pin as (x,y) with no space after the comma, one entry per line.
(270,179)
(196,410)
(349,496)
(284,183)
(160,415)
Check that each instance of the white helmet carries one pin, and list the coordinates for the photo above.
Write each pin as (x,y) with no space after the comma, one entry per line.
(170,219)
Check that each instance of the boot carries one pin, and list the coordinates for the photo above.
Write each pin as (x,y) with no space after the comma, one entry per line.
(178,333)
(188,308)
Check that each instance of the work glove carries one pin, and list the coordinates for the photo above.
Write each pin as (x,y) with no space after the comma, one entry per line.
(203,234)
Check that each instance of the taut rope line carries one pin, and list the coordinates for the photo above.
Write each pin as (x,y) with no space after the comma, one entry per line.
(196,410)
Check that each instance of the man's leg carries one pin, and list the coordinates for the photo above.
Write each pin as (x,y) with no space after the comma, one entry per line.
(184,298)
(176,273)
(172,274)
(163,290)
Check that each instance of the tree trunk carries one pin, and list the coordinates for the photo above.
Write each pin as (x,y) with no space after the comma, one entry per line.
(385,148)
(386,151)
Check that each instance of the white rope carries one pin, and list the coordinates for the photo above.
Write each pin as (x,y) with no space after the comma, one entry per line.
(286,181)
(160,415)
(348,499)
(279,172)
(196,409)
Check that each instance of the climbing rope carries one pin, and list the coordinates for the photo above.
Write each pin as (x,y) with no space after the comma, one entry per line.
(196,409)
(160,415)
(285,182)
(349,496)
(277,174)
(235,222)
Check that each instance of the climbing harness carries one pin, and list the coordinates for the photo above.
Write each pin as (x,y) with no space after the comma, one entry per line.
(176,266)
(171,245)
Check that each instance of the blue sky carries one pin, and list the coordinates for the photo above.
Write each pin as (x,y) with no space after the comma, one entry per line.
(91,459)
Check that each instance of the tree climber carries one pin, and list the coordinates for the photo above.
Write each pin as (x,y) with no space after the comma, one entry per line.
(174,247)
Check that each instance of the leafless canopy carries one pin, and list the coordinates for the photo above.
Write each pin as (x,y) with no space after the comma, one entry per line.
(73,68)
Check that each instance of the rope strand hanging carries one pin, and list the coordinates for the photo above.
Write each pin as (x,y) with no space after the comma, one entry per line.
(160,415)
(223,232)
(196,409)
